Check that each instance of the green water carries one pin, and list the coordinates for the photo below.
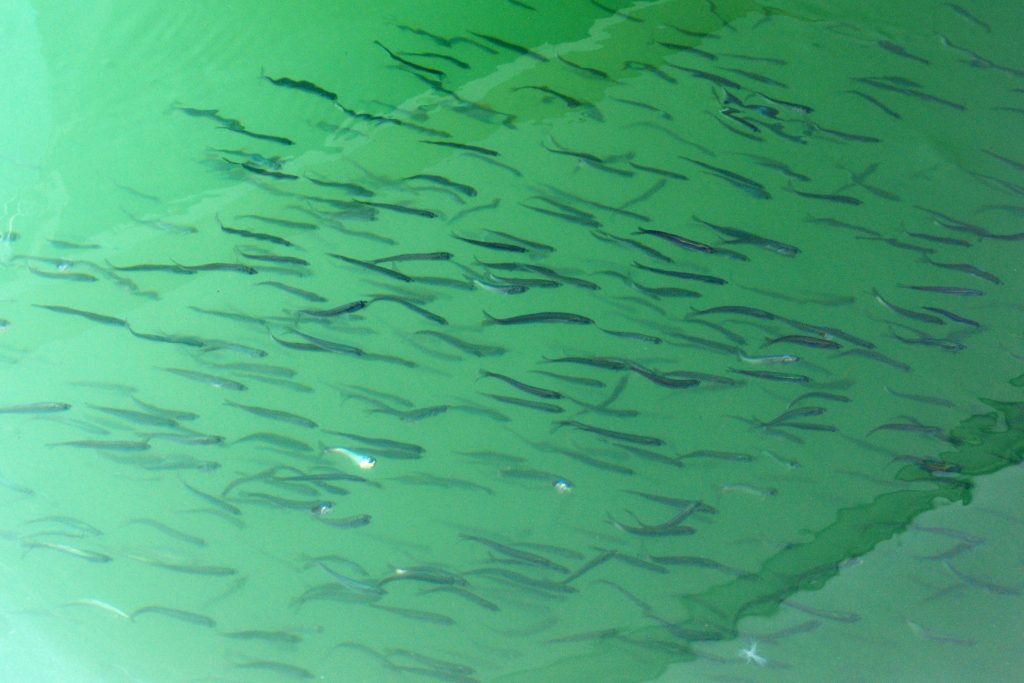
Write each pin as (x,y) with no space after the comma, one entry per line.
(166,433)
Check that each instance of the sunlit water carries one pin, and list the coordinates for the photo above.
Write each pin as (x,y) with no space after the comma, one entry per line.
(249,251)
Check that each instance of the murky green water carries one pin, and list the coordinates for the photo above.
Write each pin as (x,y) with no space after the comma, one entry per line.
(246,248)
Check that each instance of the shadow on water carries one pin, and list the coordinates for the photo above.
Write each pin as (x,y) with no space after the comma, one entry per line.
(983,444)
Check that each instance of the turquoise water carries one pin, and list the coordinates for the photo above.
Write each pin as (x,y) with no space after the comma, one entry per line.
(248,249)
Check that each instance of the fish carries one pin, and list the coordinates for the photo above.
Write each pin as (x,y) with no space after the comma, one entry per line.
(689,49)
(212,114)
(810,342)
(279,669)
(351,188)
(413,450)
(940,239)
(955,291)
(413,415)
(638,336)
(220,266)
(965,268)
(966,14)
(273,414)
(953,317)
(743,237)
(418,615)
(269,636)
(855,138)
(901,51)
(515,553)
(364,588)
(659,171)
(301,293)
(351,522)
(530,245)
(907,313)
(589,71)
(212,380)
(425,574)
(344,309)
(137,416)
(259,170)
(569,101)
(380,270)
(437,55)
(944,344)
(678,240)
(279,139)
(197,569)
(525,403)
(540,586)
(708,279)
(584,381)
(461,188)
(459,145)
(184,340)
(773,376)
(769,360)
(518,49)
(100,444)
(419,310)
(633,244)
(99,604)
(276,441)
(80,553)
(303,86)
(984,584)
(545,317)
(88,315)
(35,408)
(671,528)
(899,85)
(399,208)
(169,531)
(181,615)
(214,500)
(914,427)
(527,388)
(873,100)
(836,198)
(479,350)
(542,270)
(738,310)
(748,185)
(719,455)
(412,65)
(835,223)
(261,236)
(316,343)
(640,439)
(593,160)
(82,527)
(635,65)
(419,256)
(274,258)
(66,275)
(571,215)
(497,246)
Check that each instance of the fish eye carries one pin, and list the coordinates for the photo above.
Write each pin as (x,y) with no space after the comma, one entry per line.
(367,463)
(321,509)
(563,486)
